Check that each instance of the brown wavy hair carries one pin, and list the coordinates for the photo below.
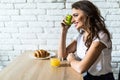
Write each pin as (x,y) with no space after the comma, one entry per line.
(93,20)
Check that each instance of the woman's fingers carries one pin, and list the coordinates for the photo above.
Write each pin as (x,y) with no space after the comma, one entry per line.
(64,25)
(70,57)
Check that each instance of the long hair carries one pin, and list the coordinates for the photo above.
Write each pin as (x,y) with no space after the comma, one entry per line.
(93,20)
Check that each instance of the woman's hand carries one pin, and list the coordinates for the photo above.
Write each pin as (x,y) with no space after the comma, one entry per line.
(70,57)
(64,25)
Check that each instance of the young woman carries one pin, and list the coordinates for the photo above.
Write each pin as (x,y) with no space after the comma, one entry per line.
(93,45)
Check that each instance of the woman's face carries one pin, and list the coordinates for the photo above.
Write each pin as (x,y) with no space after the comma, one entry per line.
(78,18)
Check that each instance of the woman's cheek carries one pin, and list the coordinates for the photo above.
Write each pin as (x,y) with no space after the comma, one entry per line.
(80,25)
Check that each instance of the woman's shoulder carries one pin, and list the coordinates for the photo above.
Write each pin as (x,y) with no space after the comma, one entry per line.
(103,36)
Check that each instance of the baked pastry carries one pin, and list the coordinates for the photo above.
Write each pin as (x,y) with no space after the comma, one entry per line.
(41,53)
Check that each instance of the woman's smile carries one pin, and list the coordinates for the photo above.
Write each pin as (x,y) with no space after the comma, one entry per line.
(76,24)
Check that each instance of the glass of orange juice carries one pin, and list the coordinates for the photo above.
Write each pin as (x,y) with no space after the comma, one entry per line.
(55,62)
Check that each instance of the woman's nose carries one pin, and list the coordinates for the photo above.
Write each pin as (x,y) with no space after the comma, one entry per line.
(73,20)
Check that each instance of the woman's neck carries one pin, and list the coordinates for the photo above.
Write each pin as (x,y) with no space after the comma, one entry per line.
(85,34)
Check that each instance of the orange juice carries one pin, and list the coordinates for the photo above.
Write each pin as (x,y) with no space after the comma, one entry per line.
(55,62)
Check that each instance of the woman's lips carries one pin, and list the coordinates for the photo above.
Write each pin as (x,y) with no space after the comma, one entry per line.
(76,24)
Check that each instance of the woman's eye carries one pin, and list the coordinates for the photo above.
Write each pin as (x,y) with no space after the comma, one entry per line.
(75,15)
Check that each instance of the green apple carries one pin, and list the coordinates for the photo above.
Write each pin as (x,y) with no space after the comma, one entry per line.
(68,20)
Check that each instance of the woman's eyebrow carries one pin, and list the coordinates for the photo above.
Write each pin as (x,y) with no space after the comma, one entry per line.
(75,14)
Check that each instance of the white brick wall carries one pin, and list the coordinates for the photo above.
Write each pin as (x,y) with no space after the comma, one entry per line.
(35,24)
(13,1)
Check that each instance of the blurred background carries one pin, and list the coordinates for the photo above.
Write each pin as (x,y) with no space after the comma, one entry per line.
(35,24)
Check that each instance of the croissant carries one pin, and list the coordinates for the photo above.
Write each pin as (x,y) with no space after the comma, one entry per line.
(41,53)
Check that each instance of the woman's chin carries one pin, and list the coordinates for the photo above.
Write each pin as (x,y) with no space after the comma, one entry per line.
(76,27)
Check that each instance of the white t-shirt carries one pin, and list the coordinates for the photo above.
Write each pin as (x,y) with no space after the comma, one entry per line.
(103,64)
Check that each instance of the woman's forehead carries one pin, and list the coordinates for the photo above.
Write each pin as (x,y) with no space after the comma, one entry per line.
(78,11)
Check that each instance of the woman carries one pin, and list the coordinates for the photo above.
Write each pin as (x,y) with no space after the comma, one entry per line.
(92,46)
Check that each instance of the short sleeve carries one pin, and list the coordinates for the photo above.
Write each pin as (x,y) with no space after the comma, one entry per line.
(104,39)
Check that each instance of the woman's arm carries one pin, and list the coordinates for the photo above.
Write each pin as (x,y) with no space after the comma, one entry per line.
(90,57)
(63,50)
(71,48)
(62,44)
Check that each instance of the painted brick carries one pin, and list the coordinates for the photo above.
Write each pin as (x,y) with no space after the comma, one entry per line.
(114,30)
(25,47)
(23,18)
(116,41)
(113,23)
(48,47)
(1,24)
(34,41)
(4,58)
(68,5)
(115,59)
(50,5)
(49,18)
(118,48)
(24,36)
(8,30)
(6,47)
(56,12)
(9,41)
(10,52)
(30,30)
(114,65)
(25,6)
(13,1)
(4,18)
(52,30)
(11,58)
(113,17)
(112,0)
(116,76)
(116,36)
(5,36)
(47,36)
(116,70)
(115,11)
(1,67)
(60,0)
(116,54)
(113,47)
(8,12)
(43,1)
(42,24)
(119,65)
(107,4)
(71,1)
(6,6)
(32,12)
(30,1)
(52,41)
(6,62)
(14,24)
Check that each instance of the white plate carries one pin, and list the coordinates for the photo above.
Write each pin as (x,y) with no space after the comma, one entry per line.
(52,54)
